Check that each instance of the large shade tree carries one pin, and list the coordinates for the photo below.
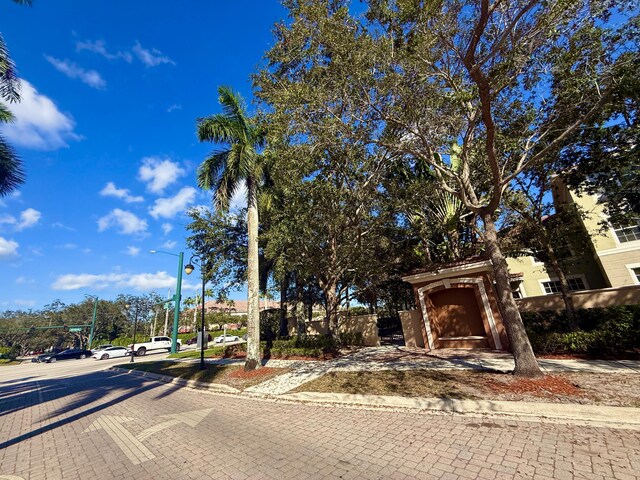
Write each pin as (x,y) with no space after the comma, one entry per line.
(477,78)
(237,164)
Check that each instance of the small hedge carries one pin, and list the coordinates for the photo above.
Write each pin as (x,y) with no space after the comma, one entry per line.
(311,346)
(9,353)
(612,331)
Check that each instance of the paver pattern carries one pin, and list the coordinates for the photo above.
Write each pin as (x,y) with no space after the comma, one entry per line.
(46,433)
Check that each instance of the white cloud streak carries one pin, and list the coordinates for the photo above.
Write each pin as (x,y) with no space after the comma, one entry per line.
(166,228)
(99,47)
(170,207)
(72,70)
(132,251)
(127,222)
(151,58)
(28,218)
(8,248)
(110,190)
(38,124)
(140,281)
(159,173)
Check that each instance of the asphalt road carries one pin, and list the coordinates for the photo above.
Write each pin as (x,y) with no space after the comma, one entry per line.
(106,424)
(39,371)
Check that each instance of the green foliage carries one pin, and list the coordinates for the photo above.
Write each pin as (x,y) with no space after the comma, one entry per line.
(603,331)
(348,339)
(9,353)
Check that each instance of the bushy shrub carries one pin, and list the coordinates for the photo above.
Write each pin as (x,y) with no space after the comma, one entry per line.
(303,346)
(602,331)
(355,339)
(9,353)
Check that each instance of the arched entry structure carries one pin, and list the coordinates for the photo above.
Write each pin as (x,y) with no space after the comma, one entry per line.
(458,308)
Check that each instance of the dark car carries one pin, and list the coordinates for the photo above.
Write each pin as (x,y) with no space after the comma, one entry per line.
(71,353)
(194,340)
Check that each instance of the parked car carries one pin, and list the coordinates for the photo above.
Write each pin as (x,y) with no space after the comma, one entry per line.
(111,352)
(194,340)
(154,343)
(101,347)
(226,338)
(71,353)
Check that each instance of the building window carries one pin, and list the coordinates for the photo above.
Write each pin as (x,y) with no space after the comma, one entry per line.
(515,289)
(627,233)
(553,286)
(636,274)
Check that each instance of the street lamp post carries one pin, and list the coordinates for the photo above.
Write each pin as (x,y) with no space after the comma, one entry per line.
(93,319)
(135,327)
(189,268)
(176,310)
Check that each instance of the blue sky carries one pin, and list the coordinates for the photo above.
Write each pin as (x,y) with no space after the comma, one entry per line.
(106,130)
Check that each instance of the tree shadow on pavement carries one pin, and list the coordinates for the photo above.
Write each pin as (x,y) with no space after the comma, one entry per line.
(92,388)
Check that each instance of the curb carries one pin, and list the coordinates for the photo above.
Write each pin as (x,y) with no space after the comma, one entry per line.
(594,415)
(214,387)
(600,414)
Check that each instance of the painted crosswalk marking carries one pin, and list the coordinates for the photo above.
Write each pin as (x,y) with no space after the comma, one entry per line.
(130,446)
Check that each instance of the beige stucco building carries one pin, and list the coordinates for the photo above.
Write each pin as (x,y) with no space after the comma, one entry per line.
(457,304)
(611,258)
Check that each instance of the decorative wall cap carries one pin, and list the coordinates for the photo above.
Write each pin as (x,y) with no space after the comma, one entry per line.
(474,267)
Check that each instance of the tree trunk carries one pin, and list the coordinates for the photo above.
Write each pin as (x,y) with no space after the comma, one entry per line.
(253,280)
(526,364)
(564,287)
(284,287)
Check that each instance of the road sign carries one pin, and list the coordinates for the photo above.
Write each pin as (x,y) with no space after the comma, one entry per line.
(75,329)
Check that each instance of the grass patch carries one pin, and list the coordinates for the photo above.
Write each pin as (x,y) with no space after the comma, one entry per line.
(210,352)
(5,362)
(231,375)
(411,383)
(585,388)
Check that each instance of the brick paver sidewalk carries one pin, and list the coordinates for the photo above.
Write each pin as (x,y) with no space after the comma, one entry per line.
(118,426)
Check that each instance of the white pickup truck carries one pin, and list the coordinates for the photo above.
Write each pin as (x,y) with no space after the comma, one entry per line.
(154,343)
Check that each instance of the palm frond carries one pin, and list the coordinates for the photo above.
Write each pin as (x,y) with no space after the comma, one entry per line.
(11,172)
(9,82)
(5,114)
(233,106)
(220,129)
(212,168)
(226,187)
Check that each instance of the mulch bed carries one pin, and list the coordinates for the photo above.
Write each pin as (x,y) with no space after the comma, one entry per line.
(542,387)
(260,372)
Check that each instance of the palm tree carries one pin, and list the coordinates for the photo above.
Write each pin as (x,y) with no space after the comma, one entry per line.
(225,171)
(11,172)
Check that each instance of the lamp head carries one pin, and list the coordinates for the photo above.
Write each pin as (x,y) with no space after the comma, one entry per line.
(189,268)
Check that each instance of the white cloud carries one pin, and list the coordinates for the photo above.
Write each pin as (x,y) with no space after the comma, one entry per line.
(170,244)
(128,222)
(38,122)
(63,226)
(140,281)
(28,218)
(159,173)
(151,58)
(99,47)
(133,251)
(72,70)
(8,248)
(173,107)
(170,207)
(25,281)
(110,190)
(166,228)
